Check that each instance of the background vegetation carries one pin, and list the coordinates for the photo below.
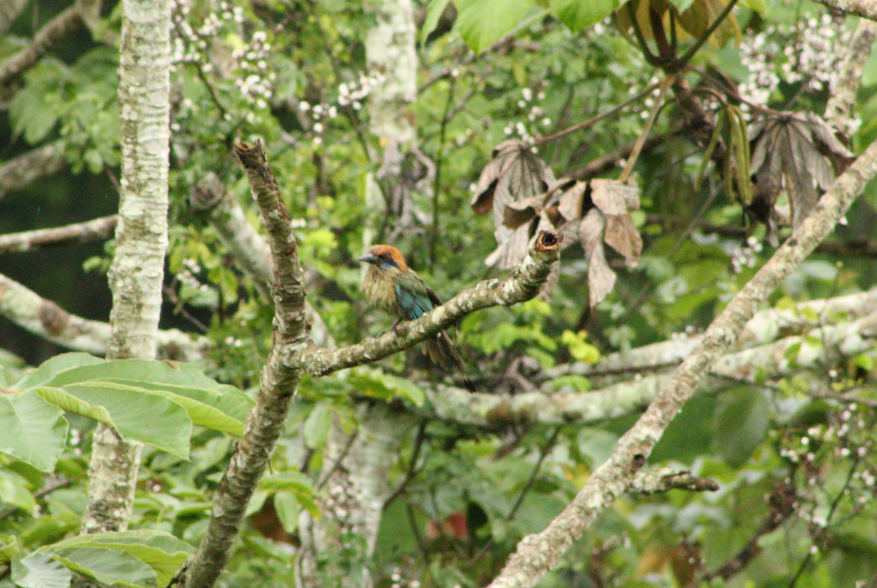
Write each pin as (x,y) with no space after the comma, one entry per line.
(790,445)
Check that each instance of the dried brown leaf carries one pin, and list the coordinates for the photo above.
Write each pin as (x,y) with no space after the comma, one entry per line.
(571,201)
(787,156)
(601,279)
(514,174)
(521,211)
(622,236)
(824,135)
(614,197)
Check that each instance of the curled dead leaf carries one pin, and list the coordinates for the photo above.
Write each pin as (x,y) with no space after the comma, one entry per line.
(601,278)
(510,185)
(616,200)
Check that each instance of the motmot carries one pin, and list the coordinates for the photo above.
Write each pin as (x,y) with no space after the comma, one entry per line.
(390,285)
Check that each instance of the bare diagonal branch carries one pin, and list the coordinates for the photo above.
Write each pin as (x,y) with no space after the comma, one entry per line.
(765,362)
(839,110)
(536,554)
(20,171)
(45,39)
(46,319)
(278,385)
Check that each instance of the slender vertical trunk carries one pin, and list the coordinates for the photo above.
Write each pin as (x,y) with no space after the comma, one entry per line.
(357,468)
(138,266)
(337,547)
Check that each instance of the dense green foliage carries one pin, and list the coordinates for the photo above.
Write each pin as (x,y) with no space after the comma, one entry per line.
(784,449)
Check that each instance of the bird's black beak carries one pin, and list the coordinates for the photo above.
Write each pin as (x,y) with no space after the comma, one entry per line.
(368,258)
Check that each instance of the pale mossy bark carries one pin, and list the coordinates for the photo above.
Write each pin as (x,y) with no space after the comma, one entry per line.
(356,470)
(137,270)
(356,486)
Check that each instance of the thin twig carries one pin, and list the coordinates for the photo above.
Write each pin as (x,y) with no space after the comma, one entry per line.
(628,168)
(592,121)
(412,465)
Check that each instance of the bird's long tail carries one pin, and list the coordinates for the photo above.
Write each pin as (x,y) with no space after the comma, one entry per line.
(442,352)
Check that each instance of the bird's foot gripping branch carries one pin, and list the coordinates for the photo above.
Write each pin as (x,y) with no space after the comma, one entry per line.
(523,285)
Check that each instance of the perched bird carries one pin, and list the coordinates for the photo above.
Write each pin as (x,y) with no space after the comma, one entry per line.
(390,285)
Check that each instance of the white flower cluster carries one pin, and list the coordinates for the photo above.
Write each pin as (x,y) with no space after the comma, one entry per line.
(254,81)
(536,116)
(350,94)
(807,52)
(249,64)
(743,255)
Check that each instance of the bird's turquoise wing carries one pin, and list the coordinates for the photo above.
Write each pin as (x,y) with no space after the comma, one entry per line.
(413,296)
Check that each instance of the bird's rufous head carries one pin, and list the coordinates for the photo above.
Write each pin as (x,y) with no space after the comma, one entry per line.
(385,256)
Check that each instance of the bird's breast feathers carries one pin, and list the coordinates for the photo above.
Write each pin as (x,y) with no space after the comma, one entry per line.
(380,290)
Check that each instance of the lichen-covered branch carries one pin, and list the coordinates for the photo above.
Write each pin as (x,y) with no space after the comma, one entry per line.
(56,29)
(522,286)
(277,386)
(864,8)
(9,11)
(46,319)
(98,229)
(536,554)
(21,171)
(839,110)
(666,479)
(762,329)
(756,364)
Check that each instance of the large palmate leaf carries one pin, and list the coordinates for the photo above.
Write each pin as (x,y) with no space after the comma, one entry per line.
(788,155)
(38,570)
(513,176)
(137,414)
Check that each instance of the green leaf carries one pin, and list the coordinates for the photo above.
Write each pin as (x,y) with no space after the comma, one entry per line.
(168,427)
(741,423)
(288,509)
(206,408)
(580,14)
(482,22)
(52,367)
(206,402)
(162,552)
(9,550)
(681,4)
(37,570)
(33,430)
(406,389)
(70,403)
(14,490)
(433,14)
(866,362)
(317,425)
(298,484)
(121,568)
